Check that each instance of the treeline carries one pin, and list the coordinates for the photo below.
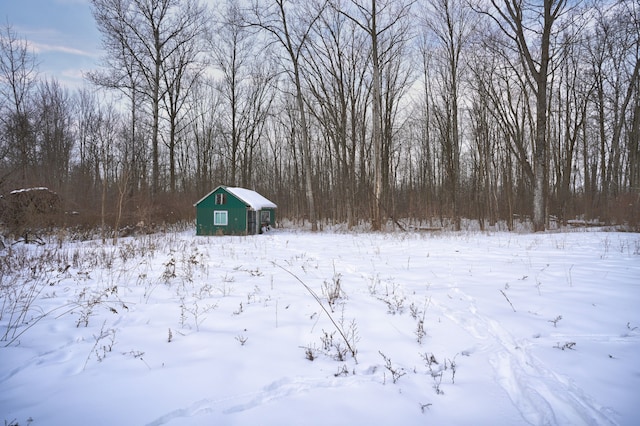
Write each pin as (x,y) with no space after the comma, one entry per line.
(338,110)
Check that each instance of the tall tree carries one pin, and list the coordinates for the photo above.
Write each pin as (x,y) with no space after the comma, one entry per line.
(180,74)
(450,24)
(54,129)
(232,48)
(570,94)
(531,27)
(148,33)
(205,111)
(245,85)
(336,70)
(614,61)
(120,72)
(378,20)
(18,77)
(289,24)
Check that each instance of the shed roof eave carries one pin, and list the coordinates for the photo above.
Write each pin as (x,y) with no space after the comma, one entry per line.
(251,198)
(206,196)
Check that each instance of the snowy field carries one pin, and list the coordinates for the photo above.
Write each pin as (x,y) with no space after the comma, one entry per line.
(296,328)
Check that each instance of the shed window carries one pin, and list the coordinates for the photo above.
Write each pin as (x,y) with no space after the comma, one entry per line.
(221,198)
(220,218)
(265,217)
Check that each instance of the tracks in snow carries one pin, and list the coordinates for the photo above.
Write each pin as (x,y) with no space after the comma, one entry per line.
(541,395)
(274,391)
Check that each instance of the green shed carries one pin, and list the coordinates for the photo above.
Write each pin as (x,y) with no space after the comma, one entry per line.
(233,211)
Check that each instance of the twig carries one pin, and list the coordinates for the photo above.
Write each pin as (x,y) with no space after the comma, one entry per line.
(315,296)
(505,296)
(37,319)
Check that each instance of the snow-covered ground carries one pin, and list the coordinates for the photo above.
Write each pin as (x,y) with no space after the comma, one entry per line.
(456,328)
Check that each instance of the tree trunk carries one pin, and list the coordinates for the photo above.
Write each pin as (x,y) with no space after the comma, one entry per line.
(376,218)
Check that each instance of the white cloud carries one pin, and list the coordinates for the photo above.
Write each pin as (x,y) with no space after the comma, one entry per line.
(58,48)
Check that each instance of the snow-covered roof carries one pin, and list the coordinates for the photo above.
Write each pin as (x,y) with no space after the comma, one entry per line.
(249,197)
(252,198)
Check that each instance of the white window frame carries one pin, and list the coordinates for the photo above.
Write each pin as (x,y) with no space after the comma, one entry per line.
(220,218)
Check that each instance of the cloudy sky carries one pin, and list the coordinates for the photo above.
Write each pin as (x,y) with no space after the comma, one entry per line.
(62,33)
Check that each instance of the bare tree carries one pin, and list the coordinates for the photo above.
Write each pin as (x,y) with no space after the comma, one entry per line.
(336,72)
(106,141)
(291,34)
(450,25)
(569,99)
(18,76)
(148,33)
(206,108)
(614,62)
(54,130)
(531,27)
(180,73)
(85,117)
(633,124)
(484,139)
(232,49)
(427,156)
(246,85)
(378,19)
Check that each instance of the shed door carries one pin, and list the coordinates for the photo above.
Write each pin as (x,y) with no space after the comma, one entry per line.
(251,222)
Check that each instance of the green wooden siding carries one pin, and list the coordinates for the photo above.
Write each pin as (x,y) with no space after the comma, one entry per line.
(236,215)
(237,212)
